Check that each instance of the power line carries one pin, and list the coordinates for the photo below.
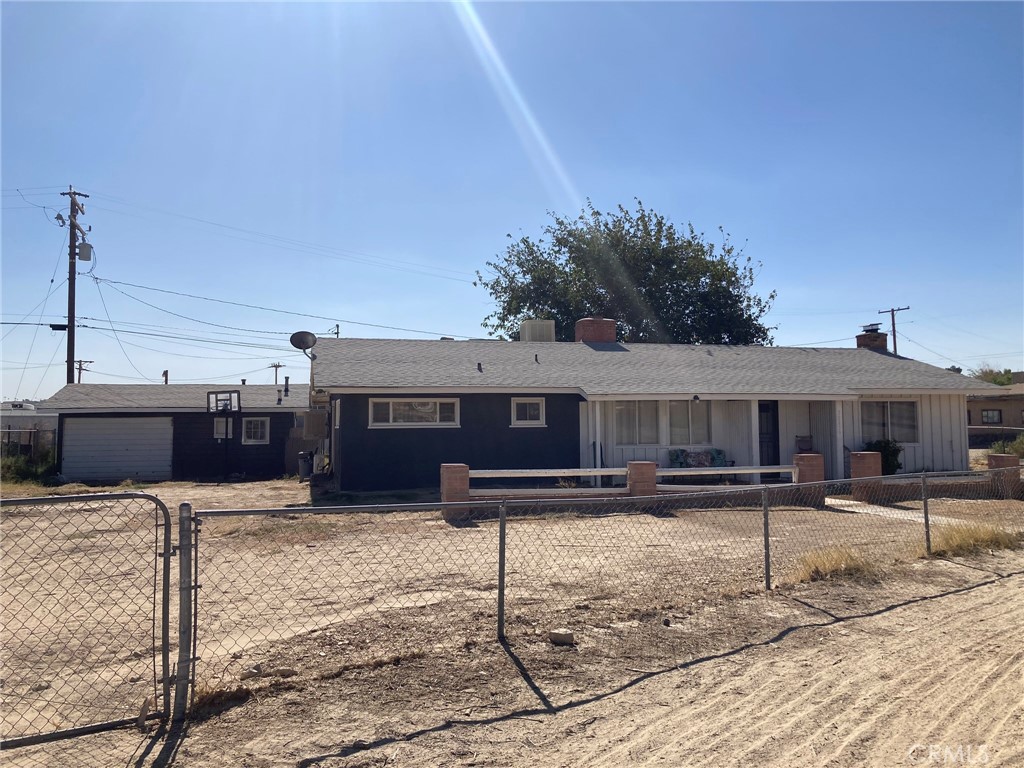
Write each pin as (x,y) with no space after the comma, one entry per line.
(118,340)
(278,311)
(196,338)
(175,314)
(224,346)
(42,308)
(344,253)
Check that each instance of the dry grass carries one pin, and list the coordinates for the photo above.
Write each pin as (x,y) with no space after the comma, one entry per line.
(971,538)
(212,700)
(836,563)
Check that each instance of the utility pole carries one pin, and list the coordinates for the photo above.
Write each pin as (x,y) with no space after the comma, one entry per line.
(892,314)
(81,367)
(75,230)
(337,330)
(275,366)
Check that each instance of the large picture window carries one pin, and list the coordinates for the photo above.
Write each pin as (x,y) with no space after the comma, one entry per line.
(889,420)
(255,431)
(636,422)
(414,413)
(689,422)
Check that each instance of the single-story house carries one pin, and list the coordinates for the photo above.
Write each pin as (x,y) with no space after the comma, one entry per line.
(401,408)
(154,432)
(997,415)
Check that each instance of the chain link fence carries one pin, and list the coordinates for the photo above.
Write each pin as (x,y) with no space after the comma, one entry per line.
(625,583)
(397,602)
(84,614)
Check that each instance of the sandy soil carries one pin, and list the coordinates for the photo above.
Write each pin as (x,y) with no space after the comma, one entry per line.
(923,667)
(251,495)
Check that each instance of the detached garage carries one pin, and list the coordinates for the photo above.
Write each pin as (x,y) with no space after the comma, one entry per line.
(115,449)
(107,433)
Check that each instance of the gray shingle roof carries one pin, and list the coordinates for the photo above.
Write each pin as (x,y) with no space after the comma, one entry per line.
(624,369)
(170,397)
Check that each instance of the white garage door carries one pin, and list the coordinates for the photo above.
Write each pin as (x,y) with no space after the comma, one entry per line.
(111,450)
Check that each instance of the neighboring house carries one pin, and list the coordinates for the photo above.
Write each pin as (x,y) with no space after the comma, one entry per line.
(400,409)
(998,415)
(153,432)
(25,428)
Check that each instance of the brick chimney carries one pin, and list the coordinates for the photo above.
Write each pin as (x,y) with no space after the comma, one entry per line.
(596,329)
(872,338)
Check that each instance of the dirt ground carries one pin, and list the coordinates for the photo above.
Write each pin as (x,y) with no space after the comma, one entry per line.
(287,492)
(923,666)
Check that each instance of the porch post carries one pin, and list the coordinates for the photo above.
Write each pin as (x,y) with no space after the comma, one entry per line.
(755,440)
(598,447)
(839,454)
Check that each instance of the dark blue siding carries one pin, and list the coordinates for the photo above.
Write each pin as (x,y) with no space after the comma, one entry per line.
(198,456)
(396,458)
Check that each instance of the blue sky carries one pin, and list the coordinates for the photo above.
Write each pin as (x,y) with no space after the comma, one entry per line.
(357,163)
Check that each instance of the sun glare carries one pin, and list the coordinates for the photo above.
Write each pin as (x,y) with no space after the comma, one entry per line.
(532,136)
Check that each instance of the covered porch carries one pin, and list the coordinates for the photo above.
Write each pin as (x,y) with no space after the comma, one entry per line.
(708,430)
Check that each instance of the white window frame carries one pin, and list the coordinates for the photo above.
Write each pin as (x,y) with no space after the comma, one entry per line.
(689,427)
(637,406)
(246,440)
(888,420)
(541,422)
(413,424)
(222,425)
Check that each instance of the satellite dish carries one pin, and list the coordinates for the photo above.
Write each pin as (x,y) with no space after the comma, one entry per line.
(303,340)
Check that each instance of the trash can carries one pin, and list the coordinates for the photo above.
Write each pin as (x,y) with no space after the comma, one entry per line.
(305,465)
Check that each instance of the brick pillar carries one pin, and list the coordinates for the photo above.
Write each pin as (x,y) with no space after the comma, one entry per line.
(642,478)
(810,466)
(866,464)
(1006,475)
(811,469)
(454,482)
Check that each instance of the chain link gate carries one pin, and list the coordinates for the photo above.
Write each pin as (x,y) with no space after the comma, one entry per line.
(84,615)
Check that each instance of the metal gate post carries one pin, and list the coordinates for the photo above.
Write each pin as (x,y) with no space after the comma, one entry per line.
(767,545)
(184,672)
(927,522)
(501,571)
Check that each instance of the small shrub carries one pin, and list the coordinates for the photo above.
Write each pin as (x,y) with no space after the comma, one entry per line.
(20,469)
(1015,447)
(971,538)
(890,450)
(836,563)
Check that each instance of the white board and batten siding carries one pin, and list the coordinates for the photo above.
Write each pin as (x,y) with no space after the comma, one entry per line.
(942,433)
(111,450)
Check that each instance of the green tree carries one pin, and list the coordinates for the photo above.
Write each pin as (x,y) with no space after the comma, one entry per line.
(659,284)
(986,372)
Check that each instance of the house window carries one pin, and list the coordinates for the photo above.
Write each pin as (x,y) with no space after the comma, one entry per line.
(889,420)
(222,428)
(689,422)
(414,413)
(993,416)
(636,422)
(255,431)
(528,412)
